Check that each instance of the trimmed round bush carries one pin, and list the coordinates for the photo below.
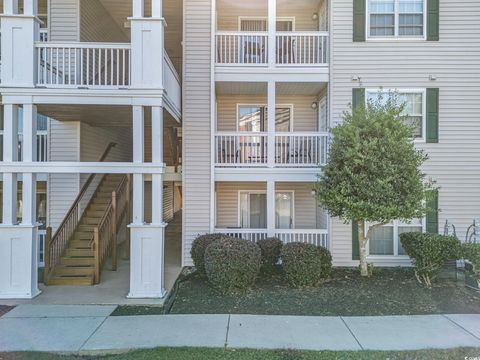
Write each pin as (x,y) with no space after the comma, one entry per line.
(271,249)
(471,252)
(429,253)
(326,260)
(198,249)
(232,265)
(302,264)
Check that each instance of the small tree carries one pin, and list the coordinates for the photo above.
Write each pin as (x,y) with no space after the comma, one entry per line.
(373,174)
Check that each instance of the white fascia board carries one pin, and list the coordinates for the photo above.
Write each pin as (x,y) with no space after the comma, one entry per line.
(264,74)
(267,174)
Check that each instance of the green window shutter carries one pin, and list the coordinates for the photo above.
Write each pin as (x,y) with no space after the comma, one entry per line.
(432,115)
(358,97)
(355,242)
(359,17)
(432,214)
(433,20)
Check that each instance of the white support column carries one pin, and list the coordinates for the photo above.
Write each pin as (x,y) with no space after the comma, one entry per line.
(29,149)
(138,8)
(138,157)
(10,154)
(271,106)
(10,7)
(147,240)
(157,8)
(157,158)
(272,30)
(19,33)
(270,208)
(18,243)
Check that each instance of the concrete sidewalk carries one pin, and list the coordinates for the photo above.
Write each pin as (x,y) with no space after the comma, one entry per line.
(83,328)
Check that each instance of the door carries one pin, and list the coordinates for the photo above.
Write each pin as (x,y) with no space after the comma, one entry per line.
(284,210)
(253,210)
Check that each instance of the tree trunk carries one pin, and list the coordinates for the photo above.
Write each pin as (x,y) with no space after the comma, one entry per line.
(363,251)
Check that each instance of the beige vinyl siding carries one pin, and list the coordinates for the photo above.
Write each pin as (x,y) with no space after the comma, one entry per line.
(94,141)
(304,117)
(96,24)
(227,200)
(228,16)
(196,122)
(455,60)
(64,145)
(64,20)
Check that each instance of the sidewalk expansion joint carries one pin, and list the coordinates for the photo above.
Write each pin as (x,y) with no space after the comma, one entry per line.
(461,327)
(351,332)
(228,330)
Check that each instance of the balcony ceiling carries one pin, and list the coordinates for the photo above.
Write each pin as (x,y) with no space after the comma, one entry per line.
(260,88)
(227,5)
(99,115)
(120,10)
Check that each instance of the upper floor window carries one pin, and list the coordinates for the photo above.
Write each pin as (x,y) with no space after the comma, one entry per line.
(414,111)
(396,19)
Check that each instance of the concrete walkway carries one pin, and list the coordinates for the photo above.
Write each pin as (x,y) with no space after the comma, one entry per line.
(87,329)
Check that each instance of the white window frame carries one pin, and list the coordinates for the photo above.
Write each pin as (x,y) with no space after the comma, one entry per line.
(396,240)
(396,36)
(266,106)
(279,18)
(423,91)
(249,192)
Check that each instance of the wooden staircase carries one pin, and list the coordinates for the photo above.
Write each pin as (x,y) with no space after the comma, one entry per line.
(77,265)
(87,236)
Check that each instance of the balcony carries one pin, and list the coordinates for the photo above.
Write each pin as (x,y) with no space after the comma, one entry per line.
(251,149)
(291,49)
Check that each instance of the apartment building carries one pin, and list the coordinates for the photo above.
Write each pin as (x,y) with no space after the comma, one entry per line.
(117,114)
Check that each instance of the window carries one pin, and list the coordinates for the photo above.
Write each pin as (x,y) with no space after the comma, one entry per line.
(396,18)
(415,107)
(254,118)
(253,209)
(385,240)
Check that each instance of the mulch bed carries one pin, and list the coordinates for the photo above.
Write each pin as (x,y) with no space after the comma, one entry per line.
(387,292)
(5,309)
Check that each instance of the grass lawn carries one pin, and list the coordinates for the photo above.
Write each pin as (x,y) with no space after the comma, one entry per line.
(227,354)
(387,292)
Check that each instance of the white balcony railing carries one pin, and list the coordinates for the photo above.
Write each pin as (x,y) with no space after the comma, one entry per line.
(237,149)
(302,48)
(291,48)
(92,65)
(42,146)
(251,149)
(242,48)
(318,237)
(301,149)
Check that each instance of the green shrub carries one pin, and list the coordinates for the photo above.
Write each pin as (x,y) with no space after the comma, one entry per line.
(326,260)
(471,252)
(232,265)
(271,249)
(302,264)
(198,249)
(429,252)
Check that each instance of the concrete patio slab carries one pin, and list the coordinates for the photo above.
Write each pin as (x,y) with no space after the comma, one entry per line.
(471,323)
(409,332)
(128,332)
(295,332)
(55,311)
(46,334)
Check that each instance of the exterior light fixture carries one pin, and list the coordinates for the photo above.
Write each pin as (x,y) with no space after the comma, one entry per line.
(314,105)
(432,77)
(315,16)
(355,78)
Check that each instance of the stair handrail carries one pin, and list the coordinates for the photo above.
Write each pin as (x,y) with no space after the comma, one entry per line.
(104,239)
(55,245)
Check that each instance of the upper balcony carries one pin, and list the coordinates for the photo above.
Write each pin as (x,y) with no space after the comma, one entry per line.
(255,35)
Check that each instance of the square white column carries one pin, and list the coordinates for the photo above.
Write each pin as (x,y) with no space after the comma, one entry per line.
(157,11)
(18,243)
(271,208)
(147,240)
(271,108)
(10,7)
(272,32)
